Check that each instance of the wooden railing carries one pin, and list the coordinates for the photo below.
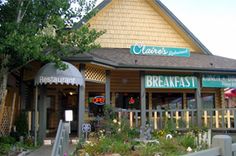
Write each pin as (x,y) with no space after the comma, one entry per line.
(220,119)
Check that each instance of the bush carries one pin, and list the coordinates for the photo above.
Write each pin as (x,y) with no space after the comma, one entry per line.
(187,140)
(22,124)
(7,140)
(4,149)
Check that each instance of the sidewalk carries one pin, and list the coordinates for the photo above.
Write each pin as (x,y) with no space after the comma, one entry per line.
(46,150)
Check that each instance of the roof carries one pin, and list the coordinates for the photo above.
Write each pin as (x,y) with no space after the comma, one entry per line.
(168,13)
(122,59)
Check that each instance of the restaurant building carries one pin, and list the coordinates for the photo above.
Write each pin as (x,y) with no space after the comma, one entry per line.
(149,66)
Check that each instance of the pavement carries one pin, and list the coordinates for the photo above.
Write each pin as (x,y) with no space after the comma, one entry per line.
(46,150)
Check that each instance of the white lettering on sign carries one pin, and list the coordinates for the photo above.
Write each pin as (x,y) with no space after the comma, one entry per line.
(67,80)
(155,81)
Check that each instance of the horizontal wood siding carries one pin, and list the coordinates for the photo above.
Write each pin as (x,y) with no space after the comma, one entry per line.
(136,21)
(125,81)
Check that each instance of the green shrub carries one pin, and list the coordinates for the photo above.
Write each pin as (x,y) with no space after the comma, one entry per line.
(22,124)
(187,140)
(7,140)
(4,149)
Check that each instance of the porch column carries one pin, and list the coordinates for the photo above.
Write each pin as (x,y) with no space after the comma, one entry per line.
(199,101)
(143,103)
(42,113)
(81,104)
(108,87)
(150,107)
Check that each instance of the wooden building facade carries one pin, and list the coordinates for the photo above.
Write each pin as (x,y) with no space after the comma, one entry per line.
(133,54)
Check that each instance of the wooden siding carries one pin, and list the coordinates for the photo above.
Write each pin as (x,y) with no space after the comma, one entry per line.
(136,21)
(125,81)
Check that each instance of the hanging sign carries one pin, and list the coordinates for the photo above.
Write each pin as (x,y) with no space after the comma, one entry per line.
(161,81)
(219,81)
(138,49)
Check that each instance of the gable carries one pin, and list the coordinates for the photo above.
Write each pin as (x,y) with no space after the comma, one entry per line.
(137,21)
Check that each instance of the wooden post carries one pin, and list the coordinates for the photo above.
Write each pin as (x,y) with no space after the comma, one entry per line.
(113,99)
(108,87)
(35,116)
(217,119)
(184,101)
(131,119)
(143,103)
(81,104)
(150,106)
(228,119)
(205,118)
(155,120)
(42,113)
(12,111)
(187,118)
(199,102)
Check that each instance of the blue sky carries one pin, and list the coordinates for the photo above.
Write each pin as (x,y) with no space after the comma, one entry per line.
(213,22)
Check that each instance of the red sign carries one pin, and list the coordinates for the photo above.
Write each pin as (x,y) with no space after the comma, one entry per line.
(98,100)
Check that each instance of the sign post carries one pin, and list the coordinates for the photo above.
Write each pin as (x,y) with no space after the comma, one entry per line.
(86,128)
(69,117)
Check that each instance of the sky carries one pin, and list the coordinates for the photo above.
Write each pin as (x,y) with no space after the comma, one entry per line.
(213,22)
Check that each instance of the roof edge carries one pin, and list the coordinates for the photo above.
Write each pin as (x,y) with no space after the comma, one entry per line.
(102,5)
(182,27)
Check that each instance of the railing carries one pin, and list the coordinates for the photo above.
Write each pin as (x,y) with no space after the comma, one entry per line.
(222,146)
(216,119)
(61,143)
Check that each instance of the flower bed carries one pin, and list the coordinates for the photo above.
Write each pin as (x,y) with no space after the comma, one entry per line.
(118,137)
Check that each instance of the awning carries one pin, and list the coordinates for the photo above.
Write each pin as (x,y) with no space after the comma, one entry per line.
(49,74)
(230,93)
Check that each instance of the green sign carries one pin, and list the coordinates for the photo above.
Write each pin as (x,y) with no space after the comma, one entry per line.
(163,51)
(219,81)
(160,81)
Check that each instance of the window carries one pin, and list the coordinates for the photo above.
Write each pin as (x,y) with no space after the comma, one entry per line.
(208,101)
(167,100)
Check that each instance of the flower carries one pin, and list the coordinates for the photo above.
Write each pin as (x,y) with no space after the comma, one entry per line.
(119,130)
(119,123)
(169,136)
(189,149)
(114,120)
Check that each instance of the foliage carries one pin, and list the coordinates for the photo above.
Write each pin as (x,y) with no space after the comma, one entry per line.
(4,148)
(7,143)
(41,30)
(7,140)
(108,145)
(187,140)
(22,124)
(117,137)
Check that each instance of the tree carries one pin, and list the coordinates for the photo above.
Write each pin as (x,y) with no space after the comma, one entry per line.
(41,30)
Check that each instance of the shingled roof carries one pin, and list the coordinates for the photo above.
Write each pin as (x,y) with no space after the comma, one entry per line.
(121,58)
